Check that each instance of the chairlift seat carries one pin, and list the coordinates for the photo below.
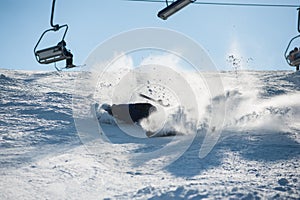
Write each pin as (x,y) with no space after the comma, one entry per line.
(294,58)
(295,62)
(50,55)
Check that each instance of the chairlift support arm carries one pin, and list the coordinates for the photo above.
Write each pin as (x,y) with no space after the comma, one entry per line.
(56,26)
(298,19)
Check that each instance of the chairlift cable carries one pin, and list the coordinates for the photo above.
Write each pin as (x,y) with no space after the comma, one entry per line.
(227,4)
(249,4)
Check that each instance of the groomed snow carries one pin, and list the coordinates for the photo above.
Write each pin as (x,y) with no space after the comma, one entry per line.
(256,157)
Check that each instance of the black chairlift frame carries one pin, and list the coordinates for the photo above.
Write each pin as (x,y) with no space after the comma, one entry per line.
(174,7)
(54,53)
(295,63)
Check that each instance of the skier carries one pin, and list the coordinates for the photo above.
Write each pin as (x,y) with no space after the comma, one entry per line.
(69,60)
(294,55)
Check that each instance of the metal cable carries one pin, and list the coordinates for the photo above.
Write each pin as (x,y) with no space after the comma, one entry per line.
(228,4)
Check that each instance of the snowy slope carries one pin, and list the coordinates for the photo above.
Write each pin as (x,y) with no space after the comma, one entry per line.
(256,157)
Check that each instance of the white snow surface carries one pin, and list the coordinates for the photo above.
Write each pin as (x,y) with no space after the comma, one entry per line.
(256,157)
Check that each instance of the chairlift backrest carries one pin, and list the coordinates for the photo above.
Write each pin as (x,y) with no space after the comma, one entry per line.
(51,54)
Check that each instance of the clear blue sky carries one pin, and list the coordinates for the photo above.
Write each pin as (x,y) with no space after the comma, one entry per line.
(249,32)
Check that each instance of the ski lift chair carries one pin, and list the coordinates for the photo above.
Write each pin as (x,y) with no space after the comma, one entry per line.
(292,58)
(54,53)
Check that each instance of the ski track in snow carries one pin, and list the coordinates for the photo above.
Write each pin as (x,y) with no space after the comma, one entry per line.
(256,157)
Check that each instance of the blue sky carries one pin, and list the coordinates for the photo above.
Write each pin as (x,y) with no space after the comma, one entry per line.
(259,33)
